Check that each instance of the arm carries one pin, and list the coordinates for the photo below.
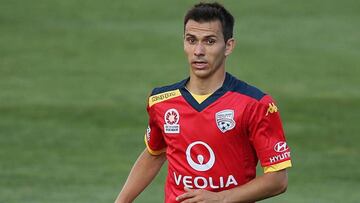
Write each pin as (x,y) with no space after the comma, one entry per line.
(143,172)
(262,187)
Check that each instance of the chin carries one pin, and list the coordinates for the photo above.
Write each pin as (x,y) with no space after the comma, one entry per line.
(204,73)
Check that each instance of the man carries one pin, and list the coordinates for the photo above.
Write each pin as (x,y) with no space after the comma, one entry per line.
(212,128)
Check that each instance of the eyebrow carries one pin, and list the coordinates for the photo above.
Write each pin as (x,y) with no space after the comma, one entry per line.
(207,36)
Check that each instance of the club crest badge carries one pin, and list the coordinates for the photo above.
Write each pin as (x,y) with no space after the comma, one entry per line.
(171,118)
(225,120)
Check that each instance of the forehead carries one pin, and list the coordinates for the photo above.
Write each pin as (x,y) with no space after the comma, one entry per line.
(202,29)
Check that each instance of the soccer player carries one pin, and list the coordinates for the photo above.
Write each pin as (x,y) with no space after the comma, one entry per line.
(212,128)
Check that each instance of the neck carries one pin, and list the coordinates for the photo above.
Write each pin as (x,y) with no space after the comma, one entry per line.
(207,85)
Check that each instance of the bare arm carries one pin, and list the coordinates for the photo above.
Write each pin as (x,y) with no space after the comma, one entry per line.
(262,187)
(143,172)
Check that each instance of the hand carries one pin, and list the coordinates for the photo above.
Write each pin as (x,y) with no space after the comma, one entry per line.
(200,196)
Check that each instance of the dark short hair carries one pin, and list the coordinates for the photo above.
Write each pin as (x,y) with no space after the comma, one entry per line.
(205,12)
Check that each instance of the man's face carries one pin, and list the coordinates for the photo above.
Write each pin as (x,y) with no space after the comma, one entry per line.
(205,47)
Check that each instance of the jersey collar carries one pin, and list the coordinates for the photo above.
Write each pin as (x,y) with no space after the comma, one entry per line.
(211,99)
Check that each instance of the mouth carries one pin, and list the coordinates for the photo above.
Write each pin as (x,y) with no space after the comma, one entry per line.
(199,64)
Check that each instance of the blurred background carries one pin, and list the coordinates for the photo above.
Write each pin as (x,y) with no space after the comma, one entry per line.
(75,76)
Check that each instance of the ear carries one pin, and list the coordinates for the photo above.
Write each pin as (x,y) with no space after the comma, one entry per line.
(229,46)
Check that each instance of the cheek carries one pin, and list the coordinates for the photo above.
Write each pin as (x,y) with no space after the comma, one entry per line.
(217,54)
(187,50)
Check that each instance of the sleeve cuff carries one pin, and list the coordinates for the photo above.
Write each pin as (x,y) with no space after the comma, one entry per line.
(277,167)
(153,152)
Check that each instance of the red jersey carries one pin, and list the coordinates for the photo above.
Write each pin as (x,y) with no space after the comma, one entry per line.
(215,145)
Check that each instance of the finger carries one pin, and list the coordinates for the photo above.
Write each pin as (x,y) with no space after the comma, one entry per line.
(184,196)
(188,189)
(188,194)
(195,199)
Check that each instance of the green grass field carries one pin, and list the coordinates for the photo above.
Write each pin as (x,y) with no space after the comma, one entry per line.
(74,77)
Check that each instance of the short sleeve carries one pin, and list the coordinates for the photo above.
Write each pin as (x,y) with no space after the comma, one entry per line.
(267,135)
(154,139)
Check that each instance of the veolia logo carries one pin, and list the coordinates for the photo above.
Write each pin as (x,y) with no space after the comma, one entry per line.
(200,165)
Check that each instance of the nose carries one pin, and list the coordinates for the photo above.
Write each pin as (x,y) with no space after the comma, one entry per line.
(199,50)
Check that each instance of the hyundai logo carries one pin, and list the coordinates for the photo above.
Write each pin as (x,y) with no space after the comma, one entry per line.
(281,147)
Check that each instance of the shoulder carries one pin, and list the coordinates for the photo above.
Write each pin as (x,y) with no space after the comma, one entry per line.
(167,88)
(243,88)
(160,94)
(259,103)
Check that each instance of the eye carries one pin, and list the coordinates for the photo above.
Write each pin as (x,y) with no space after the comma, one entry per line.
(210,41)
(191,40)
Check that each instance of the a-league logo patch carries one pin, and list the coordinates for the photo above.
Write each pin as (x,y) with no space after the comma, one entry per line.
(225,120)
(171,118)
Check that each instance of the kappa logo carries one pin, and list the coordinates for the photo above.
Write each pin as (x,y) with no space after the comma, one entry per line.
(225,120)
(272,108)
(281,147)
(163,97)
(200,165)
(171,118)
